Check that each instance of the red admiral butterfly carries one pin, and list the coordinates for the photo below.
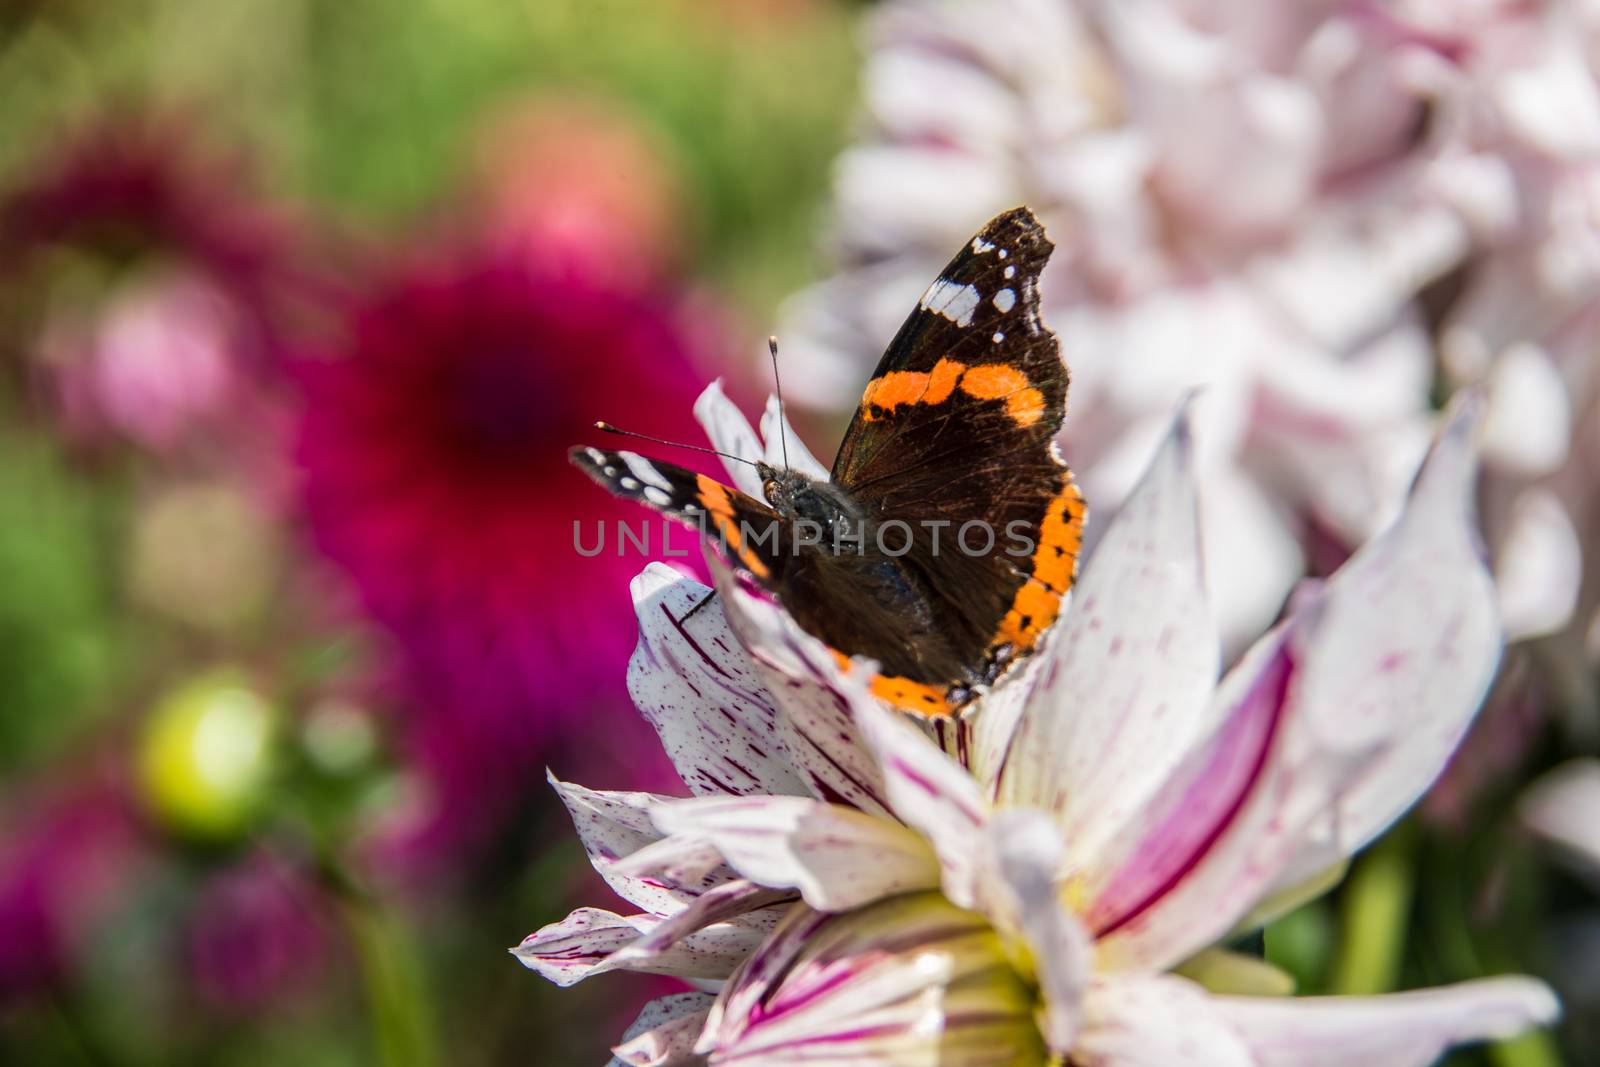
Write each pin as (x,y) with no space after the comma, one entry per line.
(955,428)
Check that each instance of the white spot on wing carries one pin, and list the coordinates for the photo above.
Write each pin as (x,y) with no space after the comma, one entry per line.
(980,246)
(595,455)
(611,472)
(656,496)
(954,302)
(644,470)
(1011,270)
(1003,253)
(998,337)
(629,484)
(1005,300)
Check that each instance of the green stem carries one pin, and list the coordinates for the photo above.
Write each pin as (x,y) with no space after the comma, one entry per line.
(1374,915)
(401,1019)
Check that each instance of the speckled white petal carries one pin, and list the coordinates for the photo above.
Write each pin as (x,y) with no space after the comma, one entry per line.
(1397,1030)
(1131,670)
(664,1033)
(930,792)
(738,903)
(584,943)
(612,825)
(1563,807)
(814,723)
(776,433)
(696,685)
(1155,1021)
(837,857)
(1403,650)
(729,431)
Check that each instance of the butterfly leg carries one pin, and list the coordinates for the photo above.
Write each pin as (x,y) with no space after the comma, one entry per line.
(708,598)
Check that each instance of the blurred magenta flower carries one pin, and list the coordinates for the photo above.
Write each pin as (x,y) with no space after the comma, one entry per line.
(1018,886)
(432,448)
(65,858)
(259,932)
(1307,209)
(159,287)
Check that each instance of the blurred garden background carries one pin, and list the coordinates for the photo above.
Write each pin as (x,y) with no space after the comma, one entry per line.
(302,303)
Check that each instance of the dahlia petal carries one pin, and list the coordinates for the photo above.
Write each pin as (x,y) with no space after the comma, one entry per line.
(616,824)
(588,942)
(821,739)
(911,979)
(730,902)
(1188,868)
(1539,567)
(1156,1021)
(664,1033)
(1563,807)
(931,793)
(838,858)
(1402,653)
(1396,1030)
(698,688)
(1028,852)
(1131,671)
(659,1039)
(730,432)
(1330,727)
(778,435)
(685,863)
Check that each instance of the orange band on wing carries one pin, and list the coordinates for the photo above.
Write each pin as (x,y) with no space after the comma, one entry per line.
(1055,565)
(987,381)
(919,698)
(714,497)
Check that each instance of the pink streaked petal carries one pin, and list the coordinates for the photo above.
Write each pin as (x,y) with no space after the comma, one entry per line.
(911,979)
(1124,692)
(698,688)
(736,901)
(1397,1030)
(836,857)
(1028,854)
(587,943)
(729,431)
(930,792)
(1182,874)
(612,825)
(665,1033)
(1406,643)
(778,435)
(1156,1021)
(677,863)
(814,720)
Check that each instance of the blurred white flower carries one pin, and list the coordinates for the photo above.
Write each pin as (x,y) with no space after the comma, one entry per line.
(1563,808)
(1302,208)
(1016,886)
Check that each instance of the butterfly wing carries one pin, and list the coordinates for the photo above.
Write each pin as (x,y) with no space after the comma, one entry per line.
(747,531)
(956,427)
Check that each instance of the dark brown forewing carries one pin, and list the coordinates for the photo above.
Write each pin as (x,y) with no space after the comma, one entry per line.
(956,426)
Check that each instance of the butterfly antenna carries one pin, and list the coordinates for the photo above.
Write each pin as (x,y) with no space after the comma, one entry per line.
(777,385)
(606,427)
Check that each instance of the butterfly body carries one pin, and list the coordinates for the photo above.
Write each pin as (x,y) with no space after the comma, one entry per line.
(947,534)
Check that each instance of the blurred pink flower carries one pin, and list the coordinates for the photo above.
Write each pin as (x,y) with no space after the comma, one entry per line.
(64,859)
(158,287)
(259,932)
(570,178)
(1300,208)
(434,474)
